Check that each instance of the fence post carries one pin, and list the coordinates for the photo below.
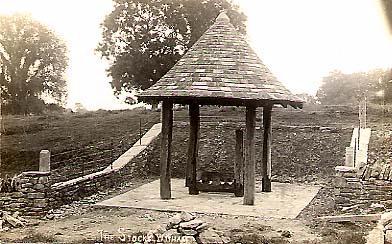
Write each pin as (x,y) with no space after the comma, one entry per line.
(44,161)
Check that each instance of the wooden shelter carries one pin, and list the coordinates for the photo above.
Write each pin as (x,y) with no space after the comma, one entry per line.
(220,69)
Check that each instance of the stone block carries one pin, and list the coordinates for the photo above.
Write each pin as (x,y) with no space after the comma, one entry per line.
(345,169)
(17,205)
(351,218)
(193,224)
(34,195)
(189,232)
(17,194)
(355,185)
(24,180)
(27,185)
(202,227)
(39,187)
(33,180)
(43,179)
(173,221)
(5,198)
(185,216)
(40,203)
(340,181)
(27,190)
(349,157)
(34,174)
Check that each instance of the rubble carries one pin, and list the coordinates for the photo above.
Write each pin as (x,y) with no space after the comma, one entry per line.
(185,228)
(8,221)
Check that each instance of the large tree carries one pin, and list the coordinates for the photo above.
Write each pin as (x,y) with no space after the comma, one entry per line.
(340,88)
(143,39)
(32,64)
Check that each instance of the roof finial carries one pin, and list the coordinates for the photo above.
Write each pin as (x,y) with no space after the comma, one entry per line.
(223,17)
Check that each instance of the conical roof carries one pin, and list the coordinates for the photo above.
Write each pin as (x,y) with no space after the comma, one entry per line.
(221,69)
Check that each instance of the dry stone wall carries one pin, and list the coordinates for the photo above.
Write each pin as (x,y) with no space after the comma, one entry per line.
(354,195)
(31,195)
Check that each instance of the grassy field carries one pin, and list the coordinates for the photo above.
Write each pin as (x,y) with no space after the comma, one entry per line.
(84,143)
(73,139)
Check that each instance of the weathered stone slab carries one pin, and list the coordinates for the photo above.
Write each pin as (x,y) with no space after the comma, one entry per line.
(351,218)
(345,169)
(34,195)
(285,201)
(193,224)
(34,173)
(185,216)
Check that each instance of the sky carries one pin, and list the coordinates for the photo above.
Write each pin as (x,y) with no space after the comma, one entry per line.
(300,41)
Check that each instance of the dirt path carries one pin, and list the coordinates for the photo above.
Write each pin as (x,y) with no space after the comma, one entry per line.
(109,224)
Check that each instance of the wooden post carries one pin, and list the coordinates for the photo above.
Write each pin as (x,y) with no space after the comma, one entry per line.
(239,164)
(166,140)
(193,148)
(250,160)
(44,161)
(266,160)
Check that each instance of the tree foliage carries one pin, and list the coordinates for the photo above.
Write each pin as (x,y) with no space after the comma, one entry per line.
(32,63)
(143,39)
(341,88)
(387,9)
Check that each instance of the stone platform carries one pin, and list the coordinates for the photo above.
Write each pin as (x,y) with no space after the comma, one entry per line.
(285,200)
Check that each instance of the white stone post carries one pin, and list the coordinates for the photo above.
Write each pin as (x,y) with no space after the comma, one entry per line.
(44,161)
(349,157)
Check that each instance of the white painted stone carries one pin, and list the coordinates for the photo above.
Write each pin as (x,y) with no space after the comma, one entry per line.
(349,157)
(44,161)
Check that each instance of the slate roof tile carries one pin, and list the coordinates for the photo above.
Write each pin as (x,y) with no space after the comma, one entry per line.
(221,65)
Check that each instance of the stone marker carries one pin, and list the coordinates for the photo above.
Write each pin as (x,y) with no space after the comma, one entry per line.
(44,161)
(349,157)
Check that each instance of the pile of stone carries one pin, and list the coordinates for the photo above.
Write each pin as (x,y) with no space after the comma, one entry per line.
(185,228)
(8,221)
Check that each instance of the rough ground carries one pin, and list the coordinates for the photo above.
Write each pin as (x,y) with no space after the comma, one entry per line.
(80,222)
(305,154)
